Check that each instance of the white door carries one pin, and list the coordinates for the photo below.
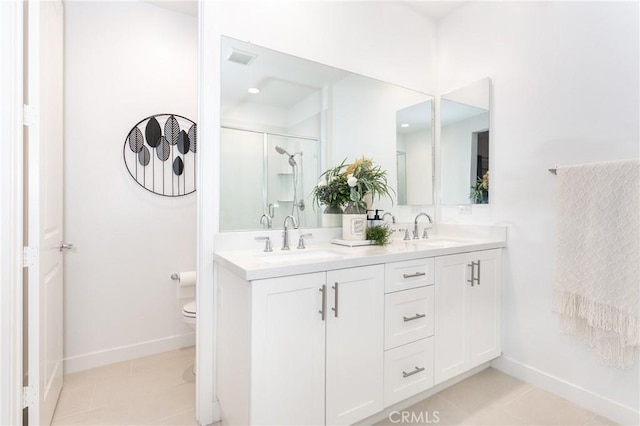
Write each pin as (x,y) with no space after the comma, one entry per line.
(45,206)
(451,311)
(288,350)
(485,307)
(355,344)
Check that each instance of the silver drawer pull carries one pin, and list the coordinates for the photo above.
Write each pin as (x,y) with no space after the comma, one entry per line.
(416,274)
(411,373)
(417,316)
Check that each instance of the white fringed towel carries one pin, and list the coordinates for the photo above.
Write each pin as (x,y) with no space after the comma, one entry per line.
(598,260)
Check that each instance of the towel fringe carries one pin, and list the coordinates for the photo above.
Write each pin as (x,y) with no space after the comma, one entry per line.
(613,332)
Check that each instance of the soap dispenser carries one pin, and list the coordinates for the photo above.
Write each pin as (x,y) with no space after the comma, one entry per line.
(377,220)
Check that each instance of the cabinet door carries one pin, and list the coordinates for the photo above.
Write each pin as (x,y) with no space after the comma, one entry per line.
(485,307)
(288,351)
(451,311)
(355,340)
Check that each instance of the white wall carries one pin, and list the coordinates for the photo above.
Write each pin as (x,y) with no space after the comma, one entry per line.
(566,91)
(124,61)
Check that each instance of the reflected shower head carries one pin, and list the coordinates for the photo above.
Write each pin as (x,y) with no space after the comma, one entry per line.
(292,162)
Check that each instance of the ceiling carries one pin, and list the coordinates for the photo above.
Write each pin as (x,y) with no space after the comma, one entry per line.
(435,10)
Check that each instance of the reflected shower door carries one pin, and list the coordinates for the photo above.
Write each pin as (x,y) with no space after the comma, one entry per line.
(292,173)
(241,179)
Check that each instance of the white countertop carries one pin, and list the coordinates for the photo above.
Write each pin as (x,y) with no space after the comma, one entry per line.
(254,264)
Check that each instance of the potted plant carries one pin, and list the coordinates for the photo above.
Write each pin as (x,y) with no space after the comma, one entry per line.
(332,192)
(480,190)
(365,178)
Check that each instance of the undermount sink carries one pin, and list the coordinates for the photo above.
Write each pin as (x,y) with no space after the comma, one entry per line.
(295,255)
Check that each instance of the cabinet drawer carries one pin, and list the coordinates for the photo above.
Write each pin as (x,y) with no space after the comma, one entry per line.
(409,274)
(408,316)
(408,370)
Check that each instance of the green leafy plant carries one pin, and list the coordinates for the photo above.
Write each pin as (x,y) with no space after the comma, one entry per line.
(480,190)
(348,183)
(379,234)
(332,190)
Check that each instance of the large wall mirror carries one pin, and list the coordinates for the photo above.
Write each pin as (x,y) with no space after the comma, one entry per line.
(285,120)
(464,136)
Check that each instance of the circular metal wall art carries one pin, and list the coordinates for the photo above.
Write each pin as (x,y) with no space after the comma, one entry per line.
(160,154)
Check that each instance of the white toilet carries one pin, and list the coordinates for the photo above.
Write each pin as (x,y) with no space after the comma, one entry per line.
(189,318)
(189,314)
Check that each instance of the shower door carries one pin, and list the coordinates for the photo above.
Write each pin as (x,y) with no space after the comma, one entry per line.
(291,177)
(256,179)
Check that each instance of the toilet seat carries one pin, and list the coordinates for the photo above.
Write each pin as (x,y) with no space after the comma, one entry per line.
(189,309)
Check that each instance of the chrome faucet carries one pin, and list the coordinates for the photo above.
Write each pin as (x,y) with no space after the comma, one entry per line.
(393,218)
(285,232)
(415,226)
(269,221)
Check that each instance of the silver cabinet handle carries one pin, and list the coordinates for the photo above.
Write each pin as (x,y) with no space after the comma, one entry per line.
(417,316)
(416,274)
(411,373)
(473,272)
(474,278)
(322,310)
(335,300)
(64,246)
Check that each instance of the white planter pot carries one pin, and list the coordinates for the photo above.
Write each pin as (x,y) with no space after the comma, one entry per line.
(354,227)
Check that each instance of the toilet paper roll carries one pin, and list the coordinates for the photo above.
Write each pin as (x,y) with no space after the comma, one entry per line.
(187,278)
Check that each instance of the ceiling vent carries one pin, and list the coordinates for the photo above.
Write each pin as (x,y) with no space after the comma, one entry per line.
(240,57)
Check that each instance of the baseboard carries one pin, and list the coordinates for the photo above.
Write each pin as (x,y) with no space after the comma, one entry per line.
(600,405)
(125,353)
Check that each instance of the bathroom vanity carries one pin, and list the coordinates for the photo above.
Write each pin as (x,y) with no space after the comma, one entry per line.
(334,335)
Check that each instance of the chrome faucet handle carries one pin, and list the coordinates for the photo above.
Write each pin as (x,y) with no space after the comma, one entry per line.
(267,243)
(425,235)
(406,233)
(301,240)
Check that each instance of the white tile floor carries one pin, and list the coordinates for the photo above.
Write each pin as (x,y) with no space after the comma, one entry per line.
(160,390)
(154,390)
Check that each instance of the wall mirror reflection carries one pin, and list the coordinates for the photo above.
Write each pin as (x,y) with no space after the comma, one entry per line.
(414,140)
(465,136)
(285,120)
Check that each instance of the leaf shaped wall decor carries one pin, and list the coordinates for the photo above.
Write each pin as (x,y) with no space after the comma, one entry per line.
(183,142)
(136,140)
(192,138)
(144,157)
(171,130)
(170,171)
(178,166)
(163,151)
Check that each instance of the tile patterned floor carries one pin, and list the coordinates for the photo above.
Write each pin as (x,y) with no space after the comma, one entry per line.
(494,398)
(160,390)
(154,390)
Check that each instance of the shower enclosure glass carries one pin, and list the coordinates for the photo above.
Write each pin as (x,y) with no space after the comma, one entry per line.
(266,173)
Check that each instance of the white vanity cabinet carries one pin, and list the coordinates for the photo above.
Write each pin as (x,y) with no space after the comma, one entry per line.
(467,310)
(312,348)
(334,342)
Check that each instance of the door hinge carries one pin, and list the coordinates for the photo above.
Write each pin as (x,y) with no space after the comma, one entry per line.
(29,256)
(29,115)
(29,396)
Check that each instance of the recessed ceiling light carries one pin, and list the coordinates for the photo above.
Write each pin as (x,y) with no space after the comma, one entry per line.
(404,125)
(253,90)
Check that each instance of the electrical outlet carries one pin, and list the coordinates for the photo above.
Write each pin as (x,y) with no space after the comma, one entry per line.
(464,209)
